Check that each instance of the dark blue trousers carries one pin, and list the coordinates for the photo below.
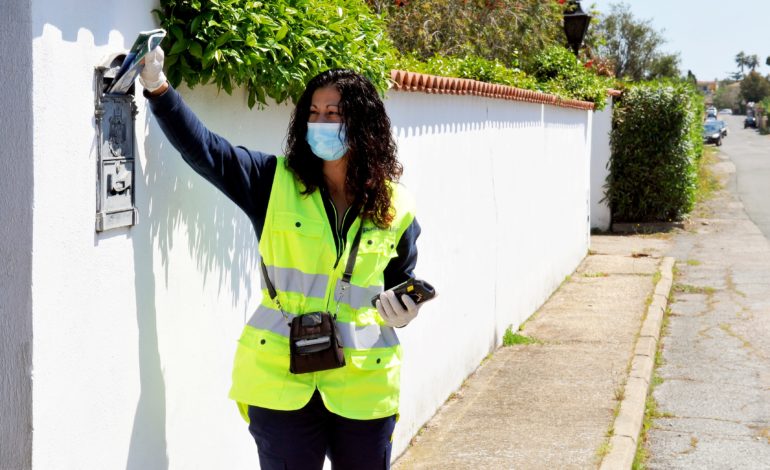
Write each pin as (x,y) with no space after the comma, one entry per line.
(299,440)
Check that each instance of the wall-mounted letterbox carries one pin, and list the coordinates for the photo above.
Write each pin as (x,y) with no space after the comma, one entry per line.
(116,150)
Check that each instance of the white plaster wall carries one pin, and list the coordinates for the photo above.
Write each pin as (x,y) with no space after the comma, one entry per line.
(600,159)
(135,328)
(16,180)
(502,195)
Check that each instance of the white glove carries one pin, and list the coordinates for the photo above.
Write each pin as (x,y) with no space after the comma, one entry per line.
(391,311)
(152,77)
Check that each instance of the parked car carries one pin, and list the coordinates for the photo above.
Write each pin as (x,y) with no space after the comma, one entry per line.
(723,127)
(711,111)
(712,133)
(726,111)
(750,121)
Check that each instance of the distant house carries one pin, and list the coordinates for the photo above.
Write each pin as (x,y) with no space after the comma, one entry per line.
(709,89)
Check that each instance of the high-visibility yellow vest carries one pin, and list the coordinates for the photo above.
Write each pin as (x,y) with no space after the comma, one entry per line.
(298,249)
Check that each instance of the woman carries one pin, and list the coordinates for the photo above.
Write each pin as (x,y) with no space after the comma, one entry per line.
(332,195)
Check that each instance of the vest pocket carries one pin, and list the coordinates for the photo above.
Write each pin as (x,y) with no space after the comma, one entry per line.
(380,242)
(376,250)
(375,359)
(298,224)
(261,368)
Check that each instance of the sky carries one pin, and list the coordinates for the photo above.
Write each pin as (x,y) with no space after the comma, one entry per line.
(708,34)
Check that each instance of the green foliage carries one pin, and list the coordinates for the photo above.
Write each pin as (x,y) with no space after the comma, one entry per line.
(656,144)
(272,48)
(633,46)
(471,67)
(558,71)
(755,87)
(728,95)
(745,60)
(510,338)
(492,29)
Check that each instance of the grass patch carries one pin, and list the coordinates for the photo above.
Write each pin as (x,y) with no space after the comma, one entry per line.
(708,182)
(603,450)
(595,274)
(651,412)
(693,262)
(510,338)
(690,289)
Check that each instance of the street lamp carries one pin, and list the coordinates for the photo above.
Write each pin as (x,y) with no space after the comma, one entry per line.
(575,25)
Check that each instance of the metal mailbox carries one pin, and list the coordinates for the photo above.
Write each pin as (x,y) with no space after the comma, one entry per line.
(115,116)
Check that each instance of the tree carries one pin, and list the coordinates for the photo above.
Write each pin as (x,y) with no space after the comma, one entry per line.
(752,62)
(740,60)
(755,87)
(634,46)
(506,30)
(728,95)
(664,66)
(692,78)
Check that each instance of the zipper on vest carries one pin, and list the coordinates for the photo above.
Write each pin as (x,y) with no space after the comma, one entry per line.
(339,239)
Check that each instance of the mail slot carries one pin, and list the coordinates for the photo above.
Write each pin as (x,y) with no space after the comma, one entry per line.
(115,117)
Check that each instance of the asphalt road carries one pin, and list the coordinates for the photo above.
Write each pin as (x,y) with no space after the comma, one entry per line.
(713,391)
(750,152)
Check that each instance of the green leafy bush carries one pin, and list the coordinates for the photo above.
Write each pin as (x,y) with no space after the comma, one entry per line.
(272,48)
(472,67)
(559,72)
(656,143)
(492,29)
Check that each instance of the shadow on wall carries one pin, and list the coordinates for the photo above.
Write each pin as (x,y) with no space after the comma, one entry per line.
(93,16)
(219,238)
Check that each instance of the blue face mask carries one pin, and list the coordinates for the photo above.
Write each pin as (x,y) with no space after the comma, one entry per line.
(327,140)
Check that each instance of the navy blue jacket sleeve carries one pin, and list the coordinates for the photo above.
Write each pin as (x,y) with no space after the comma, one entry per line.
(402,266)
(245,176)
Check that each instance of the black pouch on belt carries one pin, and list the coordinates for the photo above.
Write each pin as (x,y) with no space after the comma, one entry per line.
(314,343)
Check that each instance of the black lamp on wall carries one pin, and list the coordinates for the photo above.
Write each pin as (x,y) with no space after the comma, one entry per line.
(575,25)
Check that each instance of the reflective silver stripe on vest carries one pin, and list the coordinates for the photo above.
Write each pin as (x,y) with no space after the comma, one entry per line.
(355,296)
(271,320)
(294,280)
(352,336)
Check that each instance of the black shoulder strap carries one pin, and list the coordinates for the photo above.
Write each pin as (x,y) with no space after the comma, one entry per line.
(270,286)
(353,253)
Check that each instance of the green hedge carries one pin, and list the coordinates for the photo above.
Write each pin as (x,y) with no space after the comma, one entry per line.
(272,48)
(470,66)
(656,144)
(559,72)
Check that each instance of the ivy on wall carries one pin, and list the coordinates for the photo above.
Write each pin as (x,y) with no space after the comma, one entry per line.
(271,48)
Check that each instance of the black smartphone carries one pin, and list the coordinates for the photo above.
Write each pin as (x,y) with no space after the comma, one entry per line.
(418,290)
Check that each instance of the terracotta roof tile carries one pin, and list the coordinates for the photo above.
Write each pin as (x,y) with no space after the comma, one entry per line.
(421,82)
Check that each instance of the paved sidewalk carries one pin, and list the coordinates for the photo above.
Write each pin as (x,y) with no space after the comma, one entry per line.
(551,404)
(714,393)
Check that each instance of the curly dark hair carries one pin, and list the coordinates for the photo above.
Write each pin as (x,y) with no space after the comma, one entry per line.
(372,160)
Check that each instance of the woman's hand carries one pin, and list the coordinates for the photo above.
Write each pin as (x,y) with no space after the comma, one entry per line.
(391,311)
(152,77)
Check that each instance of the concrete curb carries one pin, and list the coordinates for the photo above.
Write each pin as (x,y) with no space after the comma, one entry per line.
(628,423)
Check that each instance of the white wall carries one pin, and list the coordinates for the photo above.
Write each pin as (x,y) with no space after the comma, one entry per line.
(135,328)
(501,189)
(600,158)
(16,181)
